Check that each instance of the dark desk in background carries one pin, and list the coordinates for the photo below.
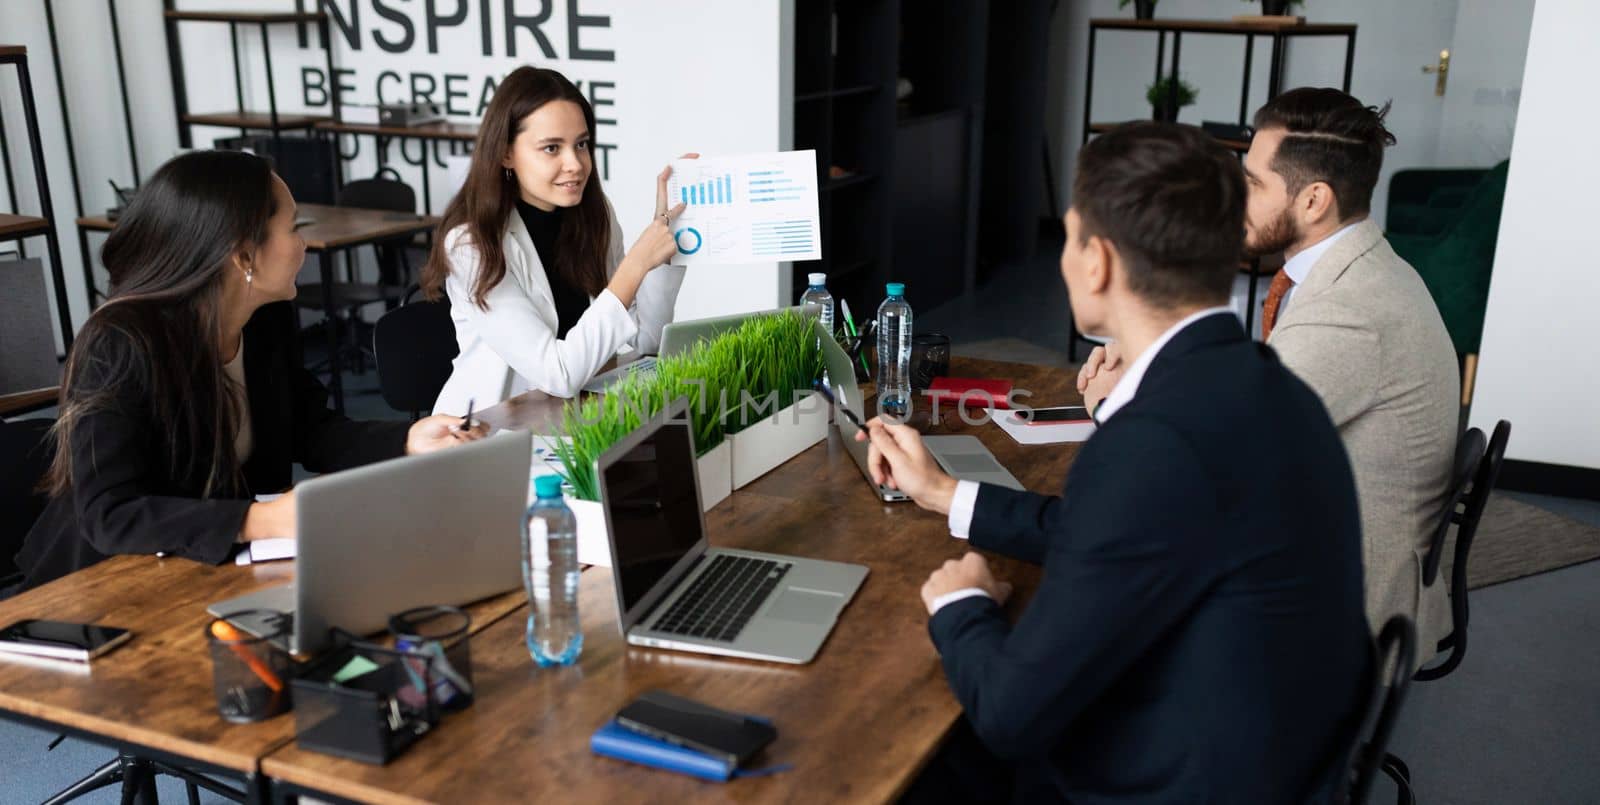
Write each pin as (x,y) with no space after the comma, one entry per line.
(334,229)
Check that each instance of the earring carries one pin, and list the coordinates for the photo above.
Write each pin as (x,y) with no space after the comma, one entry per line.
(249,276)
(509,175)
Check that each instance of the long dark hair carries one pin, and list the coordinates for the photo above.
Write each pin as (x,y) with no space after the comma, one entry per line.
(488,199)
(160,329)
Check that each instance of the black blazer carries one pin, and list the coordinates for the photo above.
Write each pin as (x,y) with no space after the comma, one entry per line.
(125,500)
(1198,633)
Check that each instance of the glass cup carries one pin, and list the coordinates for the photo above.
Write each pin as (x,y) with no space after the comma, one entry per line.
(930,358)
(439,632)
(250,674)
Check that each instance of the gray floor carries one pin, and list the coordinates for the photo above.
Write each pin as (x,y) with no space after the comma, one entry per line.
(1518,722)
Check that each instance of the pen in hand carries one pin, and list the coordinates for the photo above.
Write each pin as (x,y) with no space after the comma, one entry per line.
(828,395)
(466,424)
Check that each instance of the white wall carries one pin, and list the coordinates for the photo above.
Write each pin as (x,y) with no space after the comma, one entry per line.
(1540,360)
(711,77)
(1394,39)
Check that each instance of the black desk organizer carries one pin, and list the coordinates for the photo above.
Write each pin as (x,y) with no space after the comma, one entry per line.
(372,718)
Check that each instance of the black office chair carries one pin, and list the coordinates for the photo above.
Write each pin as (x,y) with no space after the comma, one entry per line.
(384,191)
(1390,677)
(414,345)
(1478,465)
(1464,508)
(25,454)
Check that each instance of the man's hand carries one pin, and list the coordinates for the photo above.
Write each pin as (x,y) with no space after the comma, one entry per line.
(960,574)
(1100,374)
(897,458)
(437,432)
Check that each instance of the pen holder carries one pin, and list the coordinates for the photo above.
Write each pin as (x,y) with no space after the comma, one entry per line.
(439,632)
(364,702)
(251,676)
(856,347)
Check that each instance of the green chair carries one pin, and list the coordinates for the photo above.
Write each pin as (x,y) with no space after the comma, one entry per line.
(1445,224)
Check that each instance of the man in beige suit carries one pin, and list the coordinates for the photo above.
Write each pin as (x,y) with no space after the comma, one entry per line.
(1355,322)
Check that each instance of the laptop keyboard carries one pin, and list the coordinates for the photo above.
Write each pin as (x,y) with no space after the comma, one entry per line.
(723,599)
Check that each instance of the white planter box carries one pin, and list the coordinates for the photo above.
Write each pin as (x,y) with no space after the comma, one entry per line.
(716,475)
(594,547)
(778,437)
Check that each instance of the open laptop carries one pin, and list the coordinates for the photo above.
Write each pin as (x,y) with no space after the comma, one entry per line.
(963,457)
(678,337)
(439,528)
(675,591)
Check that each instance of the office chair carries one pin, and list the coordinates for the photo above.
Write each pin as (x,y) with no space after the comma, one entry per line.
(25,454)
(414,345)
(1390,678)
(1464,507)
(384,191)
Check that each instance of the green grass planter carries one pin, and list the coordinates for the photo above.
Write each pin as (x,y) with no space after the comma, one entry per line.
(748,379)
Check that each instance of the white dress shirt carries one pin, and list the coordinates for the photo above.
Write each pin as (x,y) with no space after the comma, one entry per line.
(966,495)
(512,347)
(1299,266)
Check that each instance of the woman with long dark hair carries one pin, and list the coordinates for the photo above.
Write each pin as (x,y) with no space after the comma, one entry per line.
(530,254)
(184,394)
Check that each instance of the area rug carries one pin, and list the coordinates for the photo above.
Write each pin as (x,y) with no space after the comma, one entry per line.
(1516,539)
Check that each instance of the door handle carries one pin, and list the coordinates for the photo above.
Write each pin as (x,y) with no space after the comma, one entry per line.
(1442,70)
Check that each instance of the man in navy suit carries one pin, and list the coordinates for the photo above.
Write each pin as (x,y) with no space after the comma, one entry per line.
(1198,631)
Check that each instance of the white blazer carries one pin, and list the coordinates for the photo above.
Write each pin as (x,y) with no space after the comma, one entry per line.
(512,347)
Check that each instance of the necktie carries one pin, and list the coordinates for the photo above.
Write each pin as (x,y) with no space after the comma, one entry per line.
(1269,313)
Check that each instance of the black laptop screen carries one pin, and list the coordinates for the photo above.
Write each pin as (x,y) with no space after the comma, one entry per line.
(654,511)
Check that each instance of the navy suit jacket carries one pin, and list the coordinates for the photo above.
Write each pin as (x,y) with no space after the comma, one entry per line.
(1198,631)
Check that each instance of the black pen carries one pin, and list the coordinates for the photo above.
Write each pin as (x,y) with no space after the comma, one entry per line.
(848,414)
(466,424)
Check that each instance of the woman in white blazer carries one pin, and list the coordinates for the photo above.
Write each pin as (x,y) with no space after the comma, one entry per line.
(530,254)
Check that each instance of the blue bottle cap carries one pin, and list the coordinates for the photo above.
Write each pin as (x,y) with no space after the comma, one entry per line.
(547,486)
(895,289)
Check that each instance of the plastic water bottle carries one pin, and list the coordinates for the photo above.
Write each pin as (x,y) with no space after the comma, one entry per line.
(817,298)
(894,353)
(550,573)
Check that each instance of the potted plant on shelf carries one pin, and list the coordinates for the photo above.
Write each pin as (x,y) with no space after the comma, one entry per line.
(1142,9)
(1167,96)
(1277,8)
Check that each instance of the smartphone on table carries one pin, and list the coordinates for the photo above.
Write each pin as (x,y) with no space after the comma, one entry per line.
(1072,414)
(732,737)
(78,642)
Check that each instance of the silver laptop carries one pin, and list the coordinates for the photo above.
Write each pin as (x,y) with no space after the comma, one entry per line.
(439,528)
(963,457)
(675,591)
(678,337)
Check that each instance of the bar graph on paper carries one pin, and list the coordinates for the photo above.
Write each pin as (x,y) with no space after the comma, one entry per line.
(742,209)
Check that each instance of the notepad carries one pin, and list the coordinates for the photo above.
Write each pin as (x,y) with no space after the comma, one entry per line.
(265,550)
(1048,433)
(979,392)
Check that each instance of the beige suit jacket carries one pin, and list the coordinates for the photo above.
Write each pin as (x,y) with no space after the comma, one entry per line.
(1364,333)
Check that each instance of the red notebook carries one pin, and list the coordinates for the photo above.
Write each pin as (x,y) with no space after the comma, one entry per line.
(980,392)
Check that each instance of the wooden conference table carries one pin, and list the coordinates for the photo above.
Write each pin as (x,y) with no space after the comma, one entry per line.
(857,723)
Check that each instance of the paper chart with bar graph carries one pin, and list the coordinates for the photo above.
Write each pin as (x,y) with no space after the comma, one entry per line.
(746,209)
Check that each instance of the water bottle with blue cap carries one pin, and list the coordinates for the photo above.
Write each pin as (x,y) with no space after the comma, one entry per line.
(894,353)
(550,571)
